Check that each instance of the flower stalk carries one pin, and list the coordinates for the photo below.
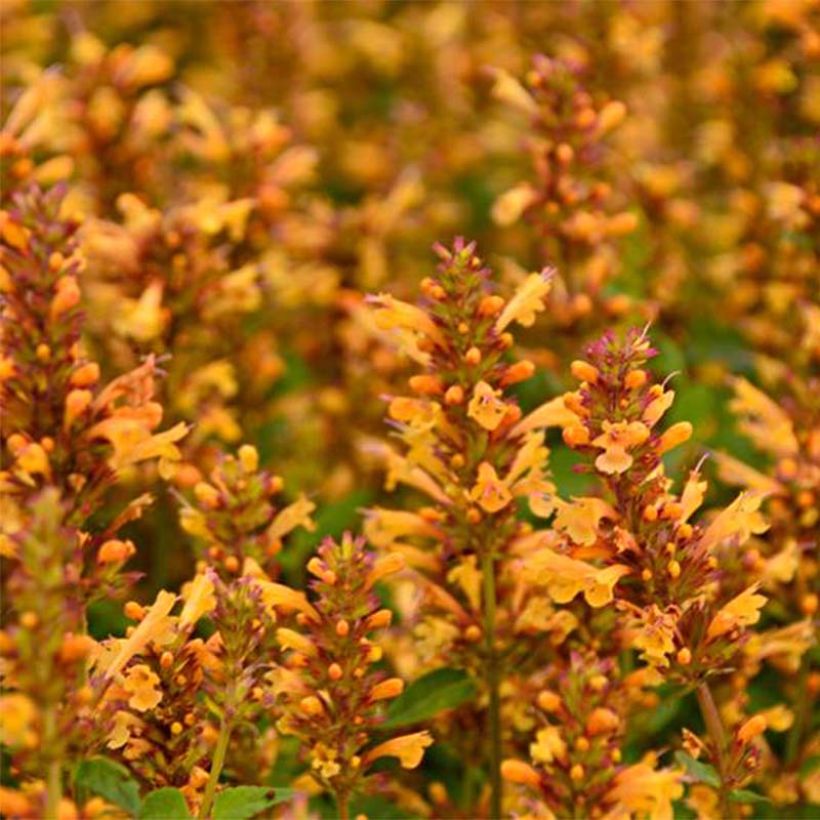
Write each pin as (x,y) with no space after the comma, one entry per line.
(217,763)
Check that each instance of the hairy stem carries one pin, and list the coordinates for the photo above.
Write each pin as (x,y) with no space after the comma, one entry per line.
(801,713)
(492,679)
(54,772)
(714,725)
(342,805)
(217,762)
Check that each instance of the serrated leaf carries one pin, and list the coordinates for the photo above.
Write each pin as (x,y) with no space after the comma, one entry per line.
(746,796)
(701,772)
(109,780)
(430,694)
(244,802)
(164,804)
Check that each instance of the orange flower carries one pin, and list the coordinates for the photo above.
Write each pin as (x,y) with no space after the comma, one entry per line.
(617,438)
(141,683)
(485,406)
(647,792)
(743,610)
(564,578)
(527,301)
(489,492)
(409,749)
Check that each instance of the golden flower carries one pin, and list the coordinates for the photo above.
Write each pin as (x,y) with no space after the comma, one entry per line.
(386,565)
(290,639)
(115,551)
(508,90)
(489,492)
(292,516)
(617,438)
(485,406)
(553,413)
(527,301)
(141,683)
(753,727)
(390,688)
(647,792)
(740,520)
(742,610)
(655,636)
(580,518)
(516,771)
(565,577)
(154,626)
(279,595)
(408,749)
(548,746)
(18,714)
(124,722)
(675,435)
(602,721)
(393,313)
(143,319)
(199,601)
(658,406)
(507,209)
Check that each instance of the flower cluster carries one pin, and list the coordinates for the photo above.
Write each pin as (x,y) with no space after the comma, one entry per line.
(330,695)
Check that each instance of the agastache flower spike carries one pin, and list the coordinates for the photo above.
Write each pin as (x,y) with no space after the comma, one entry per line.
(330,696)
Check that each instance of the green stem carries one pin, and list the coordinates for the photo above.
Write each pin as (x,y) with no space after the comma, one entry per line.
(54,772)
(217,762)
(714,725)
(801,716)
(492,679)
(342,805)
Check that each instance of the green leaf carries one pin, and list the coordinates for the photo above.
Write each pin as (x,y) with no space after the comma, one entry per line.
(244,802)
(109,780)
(746,796)
(430,694)
(164,804)
(701,772)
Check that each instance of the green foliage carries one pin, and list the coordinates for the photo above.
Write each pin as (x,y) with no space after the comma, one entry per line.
(164,804)
(430,694)
(244,802)
(109,780)
(699,771)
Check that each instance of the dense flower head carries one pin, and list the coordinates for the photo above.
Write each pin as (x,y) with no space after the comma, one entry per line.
(233,517)
(331,696)
(562,588)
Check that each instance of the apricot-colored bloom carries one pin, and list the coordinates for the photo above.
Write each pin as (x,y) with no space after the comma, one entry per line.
(565,577)
(489,492)
(553,413)
(527,301)
(654,635)
(141,683)
(17,716)
(409,749)
(154,625)
(740,520)
(294,515)
(393,313)
(276,595)
(548,746)
(742,610)
(508,90)
(517,771)
(485,406)
(508,208)
(617,438)
(580,518)
(647,792)
(764,421)
(200,600)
